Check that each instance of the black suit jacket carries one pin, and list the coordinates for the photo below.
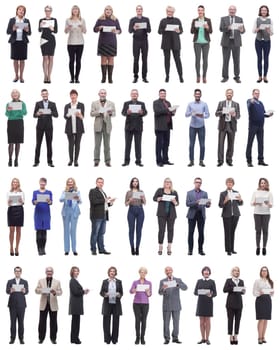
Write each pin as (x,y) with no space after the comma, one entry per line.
(45,120)
(222,122)
(97,204)
(105,304)
(13,33)
(234,299)
(79,122)
(231,207)
(161,112)
(76,302)
(134,121)
(195,30)
(170,39)
(161,205)
(16,299)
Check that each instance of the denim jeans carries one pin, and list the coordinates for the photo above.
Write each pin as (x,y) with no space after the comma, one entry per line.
(98,228)
(262,50)
(136,216)
(201,139)
(70,228)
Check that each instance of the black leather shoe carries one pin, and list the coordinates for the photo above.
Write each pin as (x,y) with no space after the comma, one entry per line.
(51,165)
(229,163)
(137,341)
(136,251)
(191,163)
(258,250)
(96,163)
(104,252)
(76,341)
(264,251)
(201,163)
(181,79)
(71,81)
(77,81)
(75,253)
(145,80)
(168,163)
(40,341)
(125,164)
(160,164)
(66,253)
(250,165)
(70,163)
(261,162)
(228,253)
(237,80)
(143,341)
(224,80)
(135,80)
(167,79)
(16,162)
(189,252)
(202,341)
(233,252)
(12,341)
(201,252)
(76,164)
(108,164)
(139,164)
(35,164)
(21,341)
(166,341)
(132,251)
(176,341)
(53,341)
(207,342)
(220,164)
(93,252)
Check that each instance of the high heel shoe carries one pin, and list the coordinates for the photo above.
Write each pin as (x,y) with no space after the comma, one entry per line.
(259,80)
(260,341)
(169,252)
(15,162)
(16,252)
(12,253)
(10,163)
(160,252)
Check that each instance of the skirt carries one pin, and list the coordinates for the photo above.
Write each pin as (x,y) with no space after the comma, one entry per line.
(263,307)
(15,216)
(19,51)
(107,50)
(48,45)
(15,130)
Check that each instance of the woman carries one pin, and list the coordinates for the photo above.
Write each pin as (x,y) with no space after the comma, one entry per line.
(263,27)
(75,26)
(42,199)
(74,114)
(76,304)
(206,290)
(15,214)
(262,200)
(234,286)
(201,28)
(108,26)
(135,198)
(142,290)
(111,291)
(48,26)
(229,202)
(263,290)
(70,213)
(19,28)
(15,111)
(167,199)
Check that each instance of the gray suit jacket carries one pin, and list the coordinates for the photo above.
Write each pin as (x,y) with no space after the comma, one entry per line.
(100,117)
(224,28)
(191,202)
(219,113)
(171,296)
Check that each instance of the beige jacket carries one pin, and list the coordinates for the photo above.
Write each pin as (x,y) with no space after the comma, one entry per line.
(110,111)
(55,286)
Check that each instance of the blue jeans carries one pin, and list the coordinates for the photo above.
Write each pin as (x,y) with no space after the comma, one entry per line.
(201,139)
(255,130)
(70,228)
(136,216)
(98,228)
(262,50)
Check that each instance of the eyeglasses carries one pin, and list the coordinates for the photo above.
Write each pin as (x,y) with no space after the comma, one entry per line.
(49,271)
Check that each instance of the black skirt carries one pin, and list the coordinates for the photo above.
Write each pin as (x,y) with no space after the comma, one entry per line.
(19,51)
(48,47)
(15,130)
(15,215)
(106,50)
(263,307)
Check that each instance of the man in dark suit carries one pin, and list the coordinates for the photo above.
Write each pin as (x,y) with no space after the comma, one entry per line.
(44,110)
(170,287)
(134,111)
(232,27)
(228,111)
(197,201)
(17,288)
(99,204)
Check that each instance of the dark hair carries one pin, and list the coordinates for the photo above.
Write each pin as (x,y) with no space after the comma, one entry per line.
(162,90)
(130,185)
(265,180)
(230,179)
(263,6)
(43,90)
(198,178)
(201,6)
(206,268)
(99,178)
(197,90)
(73,91)
(268,276)
(72,270)
(17,268)
(21,6)
(112,268)
(43,179)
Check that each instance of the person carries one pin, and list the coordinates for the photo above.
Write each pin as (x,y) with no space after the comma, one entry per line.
(42,199)
(44,111)
(229,201)
(262,200)
(140,27)
(15,214)
(48,27)
(99,214)
(232,27)
(15,111)
(170,29)
(76,304)
(205,289)
(257,115)
(167,199)
(235,288)
(17,288)
(169,288)
(263,291)
(19,28)
(263,27)
(49,288)
(75,27)
(201,28)
(111,292)
(228,113)
(197,200)
(108,27)
(134,199)
(74,113)
(71,199)
(142,290)
(163,113)
(198,111)
(102,110)
(134,111)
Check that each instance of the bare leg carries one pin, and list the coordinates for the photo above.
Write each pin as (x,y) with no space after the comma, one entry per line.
(202,327)
(11,238)
(21,69)
(18,236)
(207,327)
(16,66)
(50,67)
(264,329)
(260,329)
(45,67)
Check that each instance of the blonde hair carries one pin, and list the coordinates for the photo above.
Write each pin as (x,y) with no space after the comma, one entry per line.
(103,16)
(15,90)
(17,180)
(167,179)
(79,14)
(74,184)
(48,7)
(235,268)
(143,269)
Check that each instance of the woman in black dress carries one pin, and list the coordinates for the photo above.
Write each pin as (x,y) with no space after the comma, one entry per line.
(19,28)
(47,26)
(206,290)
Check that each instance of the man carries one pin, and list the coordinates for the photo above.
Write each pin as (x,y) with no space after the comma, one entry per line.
(170,28)
(99,204)
(140,27)
(228,111)
(257,114)
(17,288)
(134,111)
(102,110)
(170,287)
(163,124)
(197,201)
(198,111)
(50,289)
(232,27)
(44,110)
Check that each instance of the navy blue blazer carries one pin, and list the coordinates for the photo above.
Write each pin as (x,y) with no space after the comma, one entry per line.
(17,299)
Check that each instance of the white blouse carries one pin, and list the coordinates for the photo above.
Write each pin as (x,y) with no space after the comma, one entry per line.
(261,285)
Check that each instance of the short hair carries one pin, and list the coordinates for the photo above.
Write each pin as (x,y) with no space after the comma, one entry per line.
(198,90)
(17,268)
(15,90)
(48,7)
(131,181)
(134,90)
(172,8)
(201,6)
(143,269)
(112,268)
(139,6)
(48,268)
(255,90)
(198,178)
(23,7)
(44,90)
(206,268)
(43,179)
(235,268)
(263,6)
(73,268)
(99,178)
(73,91)
(230,179)
(162,90)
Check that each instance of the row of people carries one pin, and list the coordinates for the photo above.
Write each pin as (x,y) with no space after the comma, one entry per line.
(112,291)
(228,112)
(167,198)
(169,28)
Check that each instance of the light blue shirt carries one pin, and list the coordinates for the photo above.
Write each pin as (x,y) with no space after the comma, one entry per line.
(197,108)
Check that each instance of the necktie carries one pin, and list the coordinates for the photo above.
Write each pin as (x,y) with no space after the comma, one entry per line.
(232,30)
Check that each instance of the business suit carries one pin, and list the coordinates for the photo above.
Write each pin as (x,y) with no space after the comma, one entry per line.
(44,127)
(48,305)
(171,306)
(18,48)
(226,129)
(113,310)
(133,128)
(17,305)
(76,308)
(230,215)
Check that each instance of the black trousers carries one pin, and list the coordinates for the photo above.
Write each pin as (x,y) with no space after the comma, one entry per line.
(164,221)
(199,220)
(261,227)
(162,145)
(75,54)
(39,138)
(234,315)
(177,59)
(129,134)
(17,314)
(255,130)
(75,328)
(108,334)
(230,145)
(229,229)
(41,239)
(74,141)
(140,313)
(140,46)
(43,323)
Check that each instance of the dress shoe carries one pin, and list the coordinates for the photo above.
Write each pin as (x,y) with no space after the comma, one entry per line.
(189,252)
(143,341)
(70,163)
(228,253)
(77,81)
(176,341)
(264,251)
(76,164)
(108,164)
(93,252)
(71,81)
(136,251)
(201,163)
(224,80)
(12,341)
(145,80)
(235,342)
(220,164)
(231,342)
(229,163)
(51,165)
(167,79)
(198,80)
(207,342)
(96,163)
(250,165)
(104,252)
(21,80)
(10,163)
(264,341)
(202,341)
(114,341)
(237,80)
(16,162)
(258,250)
(137,340)
(21,341)
(135,80)
(260,341)
(265,80)
(12,253)
(15,80)
(166,341)
(233,252)
(181,79)
(160,164)
(204,80)
(139,164)
(201,252)
(160,252)
(66,253)
(168,163)
(125,164)
(35,164)
(17,253)
(261,162)
(75,253)
(259,80)
(191,163)
(132,251)
(40,341)
(76,341)
(53,341)
(169,252)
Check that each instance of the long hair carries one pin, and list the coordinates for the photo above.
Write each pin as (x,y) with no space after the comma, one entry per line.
(103,16)
(266,183)
(79,12)
(18,189)
(75,188)
(130,185)
(167,179)
(268,276)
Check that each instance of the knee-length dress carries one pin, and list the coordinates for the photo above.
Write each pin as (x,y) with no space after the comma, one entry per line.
(47,38)
(107,42)
(205,303)
(42,213)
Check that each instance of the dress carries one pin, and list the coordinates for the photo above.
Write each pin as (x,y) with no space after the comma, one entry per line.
(107,42)
(15,214)
(42,213)
(18,38)
(15,127)
(204,303)
(47,38)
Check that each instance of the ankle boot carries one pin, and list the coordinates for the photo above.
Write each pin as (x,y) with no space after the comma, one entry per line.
(110,74)
(137,251)
(132,251)
(103,70)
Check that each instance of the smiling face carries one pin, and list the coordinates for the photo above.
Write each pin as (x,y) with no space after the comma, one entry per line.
(20,11)
(15,95)
(197,95)
(45,95)
(142,274)
(201,12)
(264,272)
(42,185)
(49,272)
(206,273)
(70,183)
(229,185)
(99,183)
(235,272)
(229,94)
(263,11)
(197,184)
(232,11)
(170,11)
(75,273)
(263,185)
(48,12)
(168,271)
(112,273)
(102,94)
(108,11)
(139,11)
(162,95)
(15,184)
(17,272)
